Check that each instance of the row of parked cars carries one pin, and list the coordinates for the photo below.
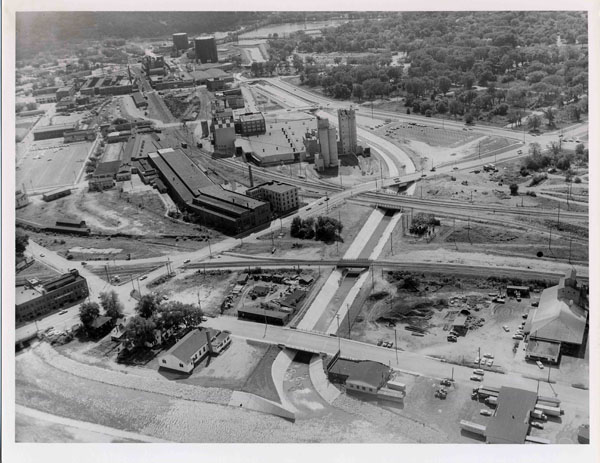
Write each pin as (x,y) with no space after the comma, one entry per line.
(383,343)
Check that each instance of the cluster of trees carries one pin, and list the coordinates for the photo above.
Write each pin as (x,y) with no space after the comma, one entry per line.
(153,315)
(109,301)
(21,241)
(553,157)
(516,56)
(30,106)
(422,223)
(323,229)
(263,69)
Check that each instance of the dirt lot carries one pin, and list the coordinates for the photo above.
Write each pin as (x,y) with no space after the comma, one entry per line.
(37,270)
(137,247)
(210,288)
(260,381)
(352,216)
(109,212)
(429,303)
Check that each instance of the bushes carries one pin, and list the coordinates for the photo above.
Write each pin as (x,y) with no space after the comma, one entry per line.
(538,178)
(323,229)
(421,223)
(514,189)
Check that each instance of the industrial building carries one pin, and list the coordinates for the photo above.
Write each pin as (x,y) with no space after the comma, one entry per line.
(252,124)
(180,41)
(231,212)
(154,65)
(181,176)
(34,299)
(511,420)
(55,194)
(71,227)
(139,101)
(558,325)
(271,317)
(65,92)
(79,135)
(52,131)
(115,164)
(282,143)
(107,85)
(347,126)
(281,196)
(224,134)
(206,49)
(216,84)
(328,149)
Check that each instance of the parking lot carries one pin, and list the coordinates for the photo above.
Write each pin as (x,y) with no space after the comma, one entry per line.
(51,164)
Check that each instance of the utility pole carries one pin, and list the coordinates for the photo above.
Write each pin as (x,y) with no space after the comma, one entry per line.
(549,368)
(396,344)
(337,316)
(265,333)
(550,240)
(209,250)
(391,245)
(348,316)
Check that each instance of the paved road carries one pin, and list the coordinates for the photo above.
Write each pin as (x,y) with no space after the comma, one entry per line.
(407,361)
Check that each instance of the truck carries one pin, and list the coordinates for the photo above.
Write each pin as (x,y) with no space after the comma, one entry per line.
(548,410)
(491,400)
(538,415)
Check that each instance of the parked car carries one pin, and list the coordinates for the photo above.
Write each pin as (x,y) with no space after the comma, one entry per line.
(187,261)
(452,339)
(143,277)
(485,412)
(477,360)
(62,312)
(535,424)
(380,342)
(476,378)
(488,356)
(489,362)
(539,364)
(446,382)
(42,255)
(478,371)
(505,328)
(518,336)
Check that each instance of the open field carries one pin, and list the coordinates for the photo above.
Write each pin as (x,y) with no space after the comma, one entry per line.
(23,125)
(157,109)
(51,164)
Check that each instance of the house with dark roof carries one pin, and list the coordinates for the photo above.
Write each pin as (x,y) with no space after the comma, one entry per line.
(361,376)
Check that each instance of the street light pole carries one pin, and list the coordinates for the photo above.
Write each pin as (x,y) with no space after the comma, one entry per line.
(396,344)
(337,316)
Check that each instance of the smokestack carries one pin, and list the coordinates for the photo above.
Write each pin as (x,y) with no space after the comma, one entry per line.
(250,175)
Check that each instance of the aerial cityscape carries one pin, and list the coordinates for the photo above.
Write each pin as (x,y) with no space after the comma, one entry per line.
(298,227)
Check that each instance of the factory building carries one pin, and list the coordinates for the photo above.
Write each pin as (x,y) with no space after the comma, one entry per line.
(328,150)
(107,85)
(79,135)
(52,131)
(347,126)
(153,65)
(34,299)
(282,143)
(206,49)
(229,211)
(139,100)
(215,84)
(252,124)
(558,325)
(180,41)
(224,134)
(65,92)
(281,196)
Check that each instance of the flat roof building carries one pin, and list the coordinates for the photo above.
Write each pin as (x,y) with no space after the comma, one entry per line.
(282,142)
(53,131)
(282,197)
(272,317)
(252,124)
(347,127)
(366,375)
(33,301)
(510,423)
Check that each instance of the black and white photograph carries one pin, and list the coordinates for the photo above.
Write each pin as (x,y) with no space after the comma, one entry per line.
(304,226)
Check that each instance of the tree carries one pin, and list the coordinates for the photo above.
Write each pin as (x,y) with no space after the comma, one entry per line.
(296,226)
(579,148)
(147,305)
(533,122)
(550,115)
(111,304)
(21,241)
(468,118)
(358,91)
(140,331)
(514,189)
(564,163)
(444,84)
(88,312)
